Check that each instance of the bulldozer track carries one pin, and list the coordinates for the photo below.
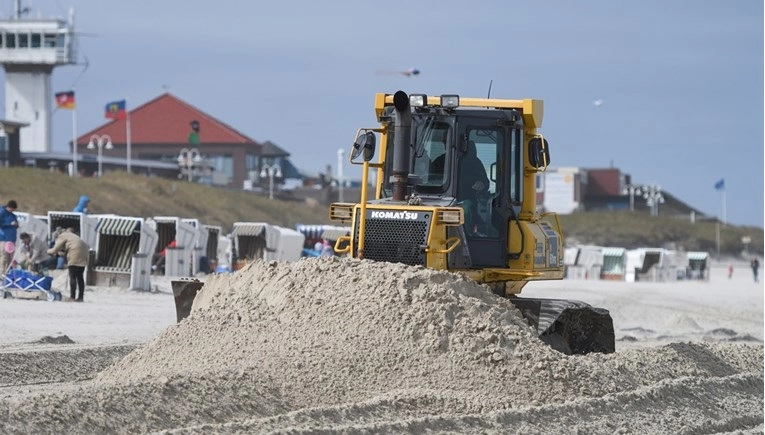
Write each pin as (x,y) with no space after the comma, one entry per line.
(23,368)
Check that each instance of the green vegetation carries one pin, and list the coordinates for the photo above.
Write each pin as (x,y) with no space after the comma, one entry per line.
(38,191)
(633,230)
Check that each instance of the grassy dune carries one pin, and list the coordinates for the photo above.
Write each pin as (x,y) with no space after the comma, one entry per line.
(38,191)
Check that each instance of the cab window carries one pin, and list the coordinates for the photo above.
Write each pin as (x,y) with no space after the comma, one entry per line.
(429,160)
(486,143)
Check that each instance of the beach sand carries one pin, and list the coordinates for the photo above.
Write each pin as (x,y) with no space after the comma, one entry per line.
(333,345)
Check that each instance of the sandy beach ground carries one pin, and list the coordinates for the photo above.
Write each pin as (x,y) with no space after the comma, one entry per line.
(108,316)
(257,358)
(652,313)
(647,314)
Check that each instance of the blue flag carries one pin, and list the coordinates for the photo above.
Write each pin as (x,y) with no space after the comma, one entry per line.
(720,185)
(115,110)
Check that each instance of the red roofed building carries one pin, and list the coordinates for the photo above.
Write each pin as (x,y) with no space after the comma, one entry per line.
(170,130)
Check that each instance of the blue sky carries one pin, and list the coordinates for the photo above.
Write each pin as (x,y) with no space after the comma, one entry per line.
(681,81)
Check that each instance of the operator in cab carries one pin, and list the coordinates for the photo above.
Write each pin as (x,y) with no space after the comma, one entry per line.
(473,184)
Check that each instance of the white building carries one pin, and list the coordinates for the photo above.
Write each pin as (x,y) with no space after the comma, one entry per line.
(559,190)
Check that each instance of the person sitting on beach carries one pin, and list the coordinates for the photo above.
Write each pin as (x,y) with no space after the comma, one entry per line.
(34,255)
(158,260)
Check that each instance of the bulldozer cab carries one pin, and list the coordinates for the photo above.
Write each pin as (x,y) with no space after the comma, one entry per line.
(456,190)
(470,159)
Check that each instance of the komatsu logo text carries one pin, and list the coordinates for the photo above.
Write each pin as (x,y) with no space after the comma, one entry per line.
(403,215)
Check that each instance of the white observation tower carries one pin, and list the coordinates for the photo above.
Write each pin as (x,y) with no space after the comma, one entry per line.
(29,49)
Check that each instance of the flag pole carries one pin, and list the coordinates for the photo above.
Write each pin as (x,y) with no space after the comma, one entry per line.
(717,238)
(75,171)
(724,211)
(127,127)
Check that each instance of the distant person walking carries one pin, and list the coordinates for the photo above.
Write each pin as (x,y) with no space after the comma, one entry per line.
(77,252)
(82,205)
(730,270)
(8,226)
(755,267)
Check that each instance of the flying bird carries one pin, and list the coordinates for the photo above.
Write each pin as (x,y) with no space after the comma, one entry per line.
(407,72)
(411,72)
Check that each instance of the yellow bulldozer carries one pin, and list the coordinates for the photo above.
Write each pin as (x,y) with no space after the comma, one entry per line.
(455,189)
(455,185)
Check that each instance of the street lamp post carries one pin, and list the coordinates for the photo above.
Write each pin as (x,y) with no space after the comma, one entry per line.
(632,190)
(271,171)
(340,160)
(100,142)
(653,197)
(186,158)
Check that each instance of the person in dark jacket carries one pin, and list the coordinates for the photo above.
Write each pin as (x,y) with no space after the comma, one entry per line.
(77,255)
(8,226)
(82,205)
(473,184)
(755,263)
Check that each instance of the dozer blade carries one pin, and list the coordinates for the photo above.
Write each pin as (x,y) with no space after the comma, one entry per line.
(570,327)
(184,292)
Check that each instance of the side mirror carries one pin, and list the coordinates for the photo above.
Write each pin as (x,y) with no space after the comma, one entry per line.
(369,146)
(365,143)
(539,152)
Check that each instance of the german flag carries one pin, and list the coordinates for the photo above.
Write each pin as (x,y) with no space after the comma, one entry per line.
(65,100)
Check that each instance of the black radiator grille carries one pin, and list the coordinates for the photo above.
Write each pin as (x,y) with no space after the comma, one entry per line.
(396,240)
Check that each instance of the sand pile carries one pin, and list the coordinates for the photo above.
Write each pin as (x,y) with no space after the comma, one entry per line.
(352,346)
(337,330)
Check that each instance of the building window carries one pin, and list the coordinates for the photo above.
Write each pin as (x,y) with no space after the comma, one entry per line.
(252,168)
(49,40)
(10,40)
(3,148)
(167,158)
(252,162)
(36,40)
(23,40)
(223,169)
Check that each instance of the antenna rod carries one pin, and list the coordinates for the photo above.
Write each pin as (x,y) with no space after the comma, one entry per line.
(489,94)
(18,9)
